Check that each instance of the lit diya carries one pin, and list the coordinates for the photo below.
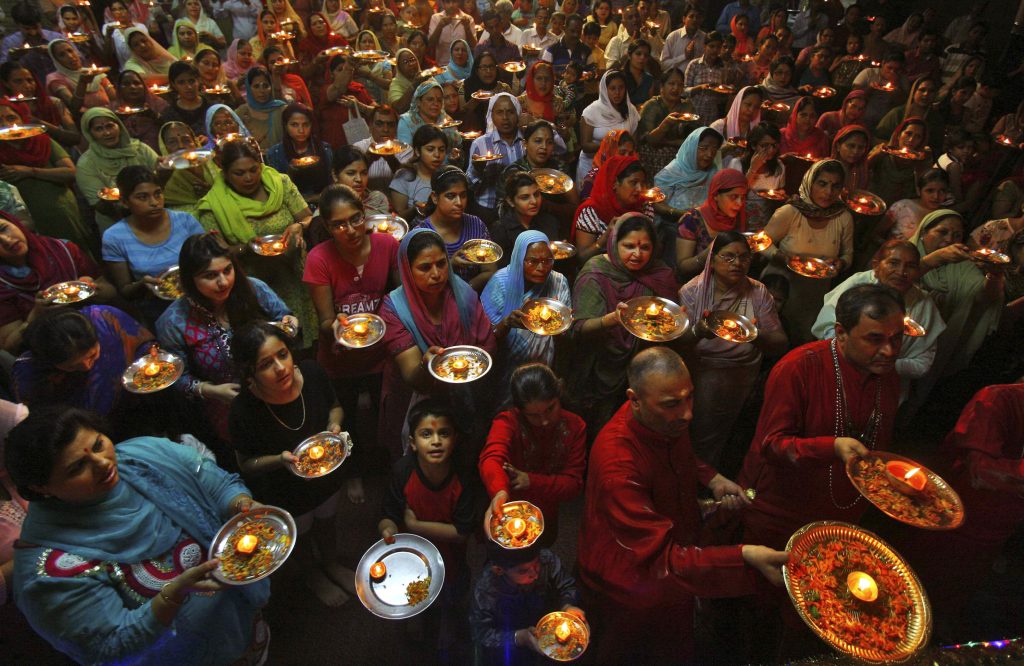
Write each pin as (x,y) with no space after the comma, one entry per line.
(284,62)
(158,89)
(805,157)
(20,98)
(991,256)
(812,267)
(1002,140)
(370,56)
(282,36)
(758,241)
(685,117)
(460,364)
(448,122)
(362,330)
(252,545)
(531,48)
(912,329)
(904,153)
(731,326)
(152,372)
(746,57)
(779,107)
(514,67)
(888,86)
(432,71)
(652,25)
(546,316)
(109,194)
(562,636)
(824,92)
(217,90)
(321,454)
(168,286)
(337,50)
(906,490)
(469,136)
(723,89)
(653,195)
(19,131)
(185,159)
(271,245)
(287,327)
(480,251)
(482,95)
(387,224)
(562,250)
(400,579)
(489,156)
(305,161)
(856,593)
(863,202)
(654,319)
(389,147)
(129,110)
(93,69)
(65,293)
(77,37)
(516,525)
(552,181)
(772,194)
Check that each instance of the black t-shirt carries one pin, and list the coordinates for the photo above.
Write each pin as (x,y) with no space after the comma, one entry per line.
(255,432)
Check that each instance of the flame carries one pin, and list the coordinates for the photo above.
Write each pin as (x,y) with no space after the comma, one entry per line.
(911,472)
(316,452)
(359,328)
(516,527)
(545,313)
(653,310)
(563,632)
(247,544)
(151,369)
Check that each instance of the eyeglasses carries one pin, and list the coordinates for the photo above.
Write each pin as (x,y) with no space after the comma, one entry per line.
(353,222)
(534,262)
(731,258)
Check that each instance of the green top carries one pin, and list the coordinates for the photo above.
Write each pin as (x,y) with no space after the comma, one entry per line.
(54,208)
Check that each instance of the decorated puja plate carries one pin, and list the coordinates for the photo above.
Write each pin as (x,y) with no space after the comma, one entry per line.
(185,159)
(370,56)
(400,579)
(863,202)
(388,224)
(270,245)
(562,636)
(66,293)
(654,319)
(109,194)
(812,267)
(253,545)
(824,92)
(152,372)
(480,251)
(562,250)
(21,131)
(912,329)
(320,454)
(552,181)
(991,256)
(168,286)
(904,153)
(907,491)
(546,316)
(362,330)
(685,117)
(758,241)
(514,67)
(460,364)
(389,147)
(772,194)
(517,525)
(731,326)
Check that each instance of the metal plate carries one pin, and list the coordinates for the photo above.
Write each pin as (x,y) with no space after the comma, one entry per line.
(812,267)
(66,293)
(448,122)
(469,136)
(863,202)
(562,250)
(482,94)
(653,195)
(109,194)
(487,157)
(287,327)
(337,449)
(883,87)
(305,161)
(937,507)
(552,181)
(388,224)
(758,241)
(510,511)
(158,89)
(409,559)
(572,648)
(912,329)
(370,56)
(514,66)
(730,326)
(684,116)
(350,337)
(94,70)
(478,363)
(480,251)
(171,367)
(129,110)
(824,92)
(991,256)
(546,316)
(278,550)
(169,287)
(432,71)
(20,99)
(21,131)
(654,319)
(778,107)
(818,534)
(186,159)
(217,90)
(265,245)
(904,153)
(723,89)
(389,147)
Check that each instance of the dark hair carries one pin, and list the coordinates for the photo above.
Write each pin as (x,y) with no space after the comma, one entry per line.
(754,136)
(713,36)
(893,244)
(872,300)
(611,75)
(195,256)
(178,68)
(9,67)
(780,61)
(335,194)
(25,13)
(443,180)
(430,407)
(314,144)
(509,558)
(572,18)
(637,44)
(415,33)
(834,167)
(131,177)
(933,175)
(713,133)
(346,155)
(638,223)
(536,126)
(145,35)
(246,343)
(421,137)
(205,52)
(128,72)
(35,445)
(635,167)
(533,382)
(729,40)
(725,238)
(69,9)
(380,109)
(516,179)
(231,151)
(894,56)
(421,242)
(59,336)
(669,73)
(257,70)
(591,28)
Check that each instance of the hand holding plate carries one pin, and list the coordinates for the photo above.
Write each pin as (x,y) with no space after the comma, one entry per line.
(848,447)
(494,508)
(767,561)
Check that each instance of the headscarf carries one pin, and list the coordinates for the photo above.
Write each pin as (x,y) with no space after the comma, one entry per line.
(176,49)
(732,119)
(454,72)
(726,179)
(137,10)
(682,173)
(854,94)
(250,99)
(908,106)
(509,284)
(261,33)
(233,210)
(416,120)
(339,20)
(45,109)
(202,23)
(48,261)
(32,152)
(927,222)
(359,37)
(805,204)
(610,146)
(290,13)
(816,141)
(404,82)
(602,197)
(903,36)
(857,175)
(457,308)
(230,66)
(602,113)
(178,190)
(744,42)
(490,108)
(110,160)
(159,64)
(311,45)
(894,138)
(540,106)
(73,75)
(212,111)
(778,93)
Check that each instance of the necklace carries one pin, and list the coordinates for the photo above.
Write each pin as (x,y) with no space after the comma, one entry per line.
(843,425)
(302,397)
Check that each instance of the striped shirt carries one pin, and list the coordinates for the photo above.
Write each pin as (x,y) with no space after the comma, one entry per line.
(483,176)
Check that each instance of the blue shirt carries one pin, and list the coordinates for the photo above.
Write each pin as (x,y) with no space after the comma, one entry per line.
(121,244)
(483,176)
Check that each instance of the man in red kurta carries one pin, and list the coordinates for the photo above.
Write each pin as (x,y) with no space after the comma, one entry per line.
(638,557)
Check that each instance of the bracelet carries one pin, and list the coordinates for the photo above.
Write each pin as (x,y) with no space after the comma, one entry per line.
(199,390)
(163,595)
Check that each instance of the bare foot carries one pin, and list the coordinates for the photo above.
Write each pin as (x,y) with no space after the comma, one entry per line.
(326,591)
(354,490)
(341,576)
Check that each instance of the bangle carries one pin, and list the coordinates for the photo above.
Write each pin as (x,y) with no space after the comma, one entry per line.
(163,595)
(199,390)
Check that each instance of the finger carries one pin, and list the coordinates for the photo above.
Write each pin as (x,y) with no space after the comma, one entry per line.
(389,539)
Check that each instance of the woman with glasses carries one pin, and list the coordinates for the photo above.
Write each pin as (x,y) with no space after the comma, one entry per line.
(724,372)
(350,274)
(725,209)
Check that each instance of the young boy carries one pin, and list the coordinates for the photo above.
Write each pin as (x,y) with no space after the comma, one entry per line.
(518,588)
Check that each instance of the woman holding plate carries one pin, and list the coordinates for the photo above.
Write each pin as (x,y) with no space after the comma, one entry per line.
(185,187)
(723,210)
(539,153)
(684,181)
(522,209)
(280,404)
(74,581)
(661,131)
(617,191)
(482,79)
(427,108)
(300,142)
(410,188)
(77,90)
(814,224)
(724,372)
(629,268)
(132,92)
(892,177)
(261,113)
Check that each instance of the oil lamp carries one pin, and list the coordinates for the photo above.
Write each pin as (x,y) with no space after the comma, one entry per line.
(862,586)
(247,544)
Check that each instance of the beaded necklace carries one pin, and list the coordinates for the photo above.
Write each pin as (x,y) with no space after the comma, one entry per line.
(843,425)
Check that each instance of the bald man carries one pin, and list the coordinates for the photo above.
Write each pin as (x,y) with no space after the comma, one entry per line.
(638,554)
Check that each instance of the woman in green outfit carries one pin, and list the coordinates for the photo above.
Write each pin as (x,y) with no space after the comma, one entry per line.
(185,187)
(249,199)
(111,149)
(43,174)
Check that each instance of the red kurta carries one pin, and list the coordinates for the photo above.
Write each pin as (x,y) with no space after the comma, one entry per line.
(554,458)
(793,450)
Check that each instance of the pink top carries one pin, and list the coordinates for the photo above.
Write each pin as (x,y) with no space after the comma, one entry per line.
(55,81)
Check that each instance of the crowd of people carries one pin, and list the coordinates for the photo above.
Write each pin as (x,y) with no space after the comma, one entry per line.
(701,150)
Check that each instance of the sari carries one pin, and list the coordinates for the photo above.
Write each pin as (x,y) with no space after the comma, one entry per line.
(95,93)
(232,69)
(729,127)
(262,118)
(609,146)
(537,105)
(341,22)
(290,15)
(744,42)
(684,184)
(212,111)
(311,45)
(233,211)
(154,69)
(893,178)
(400,84)
(604,117)
(310,180)
(180,189)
